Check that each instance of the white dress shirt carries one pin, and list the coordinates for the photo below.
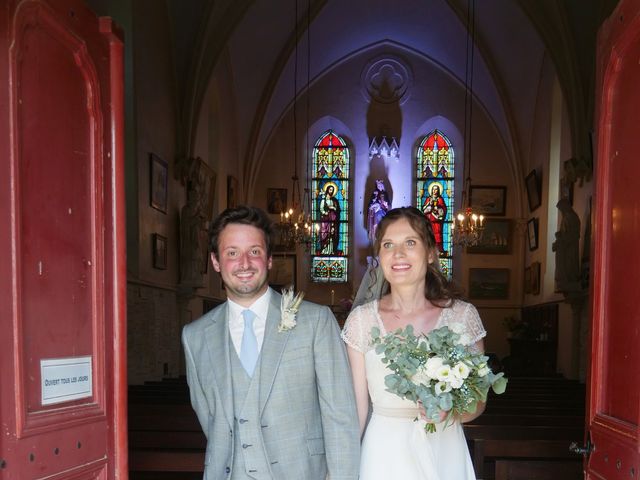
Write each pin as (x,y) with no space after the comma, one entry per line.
(236,322)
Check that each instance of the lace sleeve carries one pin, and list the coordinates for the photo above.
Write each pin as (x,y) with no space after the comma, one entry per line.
(357,329)
(466,317)
(475,329)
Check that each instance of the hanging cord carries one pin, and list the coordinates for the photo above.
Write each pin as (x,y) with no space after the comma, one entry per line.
(468,96)
(306,207)
(295,194)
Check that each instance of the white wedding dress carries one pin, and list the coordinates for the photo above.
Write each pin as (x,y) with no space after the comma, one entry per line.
(395,446)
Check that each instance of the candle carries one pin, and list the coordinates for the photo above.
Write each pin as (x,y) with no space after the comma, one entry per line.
(333,293)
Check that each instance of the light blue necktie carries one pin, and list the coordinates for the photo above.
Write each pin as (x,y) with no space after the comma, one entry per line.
(249,346)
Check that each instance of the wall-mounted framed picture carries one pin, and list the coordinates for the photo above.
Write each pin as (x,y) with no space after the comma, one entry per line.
(532,233)
(488,200)
(276,200)
(232,191)
(534,193)
(496,238)
(158,186)
(283,272)
(534,288)
(280,240)
(527,280)
(159,251)
(489,283)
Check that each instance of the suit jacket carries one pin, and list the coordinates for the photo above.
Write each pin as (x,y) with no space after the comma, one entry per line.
(306,394)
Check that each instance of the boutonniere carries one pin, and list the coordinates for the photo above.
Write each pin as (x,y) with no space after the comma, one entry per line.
(289,307)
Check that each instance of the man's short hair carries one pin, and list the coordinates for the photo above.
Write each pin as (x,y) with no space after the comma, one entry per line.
(243,215)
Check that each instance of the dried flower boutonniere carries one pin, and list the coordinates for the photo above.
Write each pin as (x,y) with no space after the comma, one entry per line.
(289,308)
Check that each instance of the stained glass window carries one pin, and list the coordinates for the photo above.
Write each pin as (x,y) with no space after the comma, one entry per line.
(435,189)
(330,209)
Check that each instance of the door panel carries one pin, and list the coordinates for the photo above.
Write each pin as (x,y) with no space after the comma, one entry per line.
(61,244)
(58,262)
(614,399)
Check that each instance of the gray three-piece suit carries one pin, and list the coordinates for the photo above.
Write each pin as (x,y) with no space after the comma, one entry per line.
(295,418)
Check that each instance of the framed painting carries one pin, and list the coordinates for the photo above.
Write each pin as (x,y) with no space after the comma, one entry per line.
(159,251)
(488,200)
(534,287)
(276,200)
(158,183)
(283,272)
(489,283)
(496,238)
(534,194)
(527,280)
(281,240)
(532,233)
(232,191)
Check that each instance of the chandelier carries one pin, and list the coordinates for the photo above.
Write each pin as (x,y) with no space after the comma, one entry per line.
(467,226)
(295,224)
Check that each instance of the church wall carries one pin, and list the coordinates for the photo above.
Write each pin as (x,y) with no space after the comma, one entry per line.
(551,147)
(337,100)
(435,102)
(154,343)
(216,143)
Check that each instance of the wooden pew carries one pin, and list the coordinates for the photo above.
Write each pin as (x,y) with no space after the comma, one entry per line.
(531,424)
(539,470)
(165,438)
(490,443)
(166,461)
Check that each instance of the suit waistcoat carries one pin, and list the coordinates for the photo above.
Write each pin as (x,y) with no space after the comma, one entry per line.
(250,460)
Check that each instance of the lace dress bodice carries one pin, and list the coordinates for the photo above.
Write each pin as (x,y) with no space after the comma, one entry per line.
(357,334)
(392,427)
(357,329)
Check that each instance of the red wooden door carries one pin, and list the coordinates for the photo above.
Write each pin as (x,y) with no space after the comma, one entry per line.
(614,393)
(62,265)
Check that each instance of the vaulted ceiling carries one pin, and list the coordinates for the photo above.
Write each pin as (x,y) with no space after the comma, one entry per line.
(261,40)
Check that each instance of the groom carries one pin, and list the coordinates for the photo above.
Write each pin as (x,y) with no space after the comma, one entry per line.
(274,403)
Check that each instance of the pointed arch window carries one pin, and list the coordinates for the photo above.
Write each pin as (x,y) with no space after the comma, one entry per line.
(330,209)
(435,190)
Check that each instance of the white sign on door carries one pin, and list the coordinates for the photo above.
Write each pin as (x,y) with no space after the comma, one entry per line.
(65,379)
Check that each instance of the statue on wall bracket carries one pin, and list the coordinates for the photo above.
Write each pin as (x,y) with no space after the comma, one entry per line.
(379,205)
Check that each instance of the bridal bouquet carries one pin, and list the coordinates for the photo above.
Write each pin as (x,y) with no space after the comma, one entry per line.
(437,370)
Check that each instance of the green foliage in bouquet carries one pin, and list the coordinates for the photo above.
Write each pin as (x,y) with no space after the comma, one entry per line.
(437,370)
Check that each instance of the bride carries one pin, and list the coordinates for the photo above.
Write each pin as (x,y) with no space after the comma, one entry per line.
(394,445)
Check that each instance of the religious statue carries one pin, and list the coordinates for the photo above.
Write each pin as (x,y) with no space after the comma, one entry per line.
(567,248)
(329,221)
(193,239)
(435,209)
(379,205)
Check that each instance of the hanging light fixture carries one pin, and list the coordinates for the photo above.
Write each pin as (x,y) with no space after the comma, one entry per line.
(467,226)
(295,222)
